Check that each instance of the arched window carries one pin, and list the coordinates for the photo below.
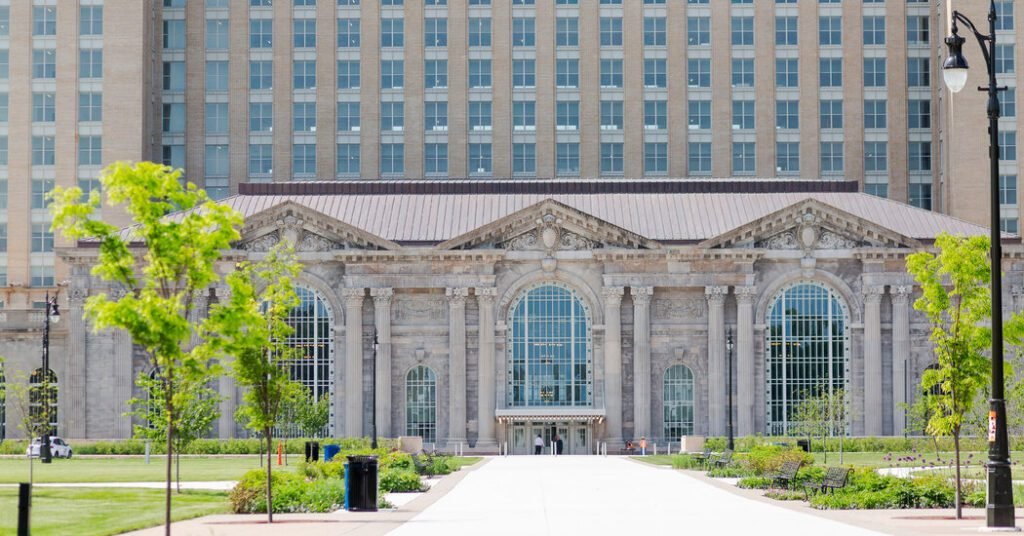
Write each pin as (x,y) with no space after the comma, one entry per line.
(313,367)
(43,395)
(807,349)
(550,358)
(421,404)
(678,401)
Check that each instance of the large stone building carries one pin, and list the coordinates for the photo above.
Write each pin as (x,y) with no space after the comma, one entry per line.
(601,311)
(242,91)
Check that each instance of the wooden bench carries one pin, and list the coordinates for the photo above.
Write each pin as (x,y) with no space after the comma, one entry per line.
(703,457)
(723,459)
(835,478)
(786,475)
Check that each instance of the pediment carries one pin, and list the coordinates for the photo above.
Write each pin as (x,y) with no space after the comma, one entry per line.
(810,225)
(549,226)
(310,230)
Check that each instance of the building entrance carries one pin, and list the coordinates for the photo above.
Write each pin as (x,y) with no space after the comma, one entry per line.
(577,438)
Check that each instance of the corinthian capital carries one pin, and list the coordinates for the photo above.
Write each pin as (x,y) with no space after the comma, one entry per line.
(901,294)
(457,296)
(745,295)
(353,296)
(613,295)
(716,294)
(486,295)
(873,293)
(641,295)
(382,296)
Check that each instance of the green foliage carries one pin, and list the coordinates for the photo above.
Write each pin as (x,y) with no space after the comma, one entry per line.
(731,471)
(685,461)
(767,459)
(867,489)
(399,480)
(199,407)
(755,482)
(292,493)
(786,495)
(312,415)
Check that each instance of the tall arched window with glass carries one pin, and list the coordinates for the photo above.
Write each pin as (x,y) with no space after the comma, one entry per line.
(421,404)
(807,350)
(677,398)
(313,366)
(550,359)
(42,400)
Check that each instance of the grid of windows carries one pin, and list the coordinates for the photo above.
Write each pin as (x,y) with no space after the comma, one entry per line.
(313,366)
(677,399)
(421,403)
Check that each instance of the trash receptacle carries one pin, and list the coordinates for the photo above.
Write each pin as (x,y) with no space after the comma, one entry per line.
(330,451)
(312,451)
(361,484)
(804,444)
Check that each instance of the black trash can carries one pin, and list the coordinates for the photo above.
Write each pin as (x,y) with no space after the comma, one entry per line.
(312,451)
(804,444)
(361,494)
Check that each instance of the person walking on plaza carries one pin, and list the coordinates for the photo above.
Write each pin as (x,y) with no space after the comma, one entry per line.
(538,444)
(643,446)
(558,445)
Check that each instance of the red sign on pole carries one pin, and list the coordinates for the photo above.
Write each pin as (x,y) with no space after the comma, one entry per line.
(991,426)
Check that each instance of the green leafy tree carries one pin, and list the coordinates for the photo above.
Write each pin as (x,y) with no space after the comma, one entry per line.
(163,262)
(198,409)
(312,414)
(252,330)
(36,410)
(824,412)
(955,298)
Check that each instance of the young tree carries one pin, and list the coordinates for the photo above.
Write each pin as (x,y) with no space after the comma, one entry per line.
(252,329)
(955,298)
(36,412)
(163,262)
(312,414)
(825,412)
(198,408)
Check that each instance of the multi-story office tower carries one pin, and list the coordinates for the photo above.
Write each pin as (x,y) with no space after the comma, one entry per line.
(241,91)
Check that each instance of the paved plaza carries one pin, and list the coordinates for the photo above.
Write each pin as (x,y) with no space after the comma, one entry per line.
(583,495)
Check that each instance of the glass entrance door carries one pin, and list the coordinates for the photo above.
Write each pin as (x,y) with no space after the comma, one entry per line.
(579,439)
(576,437)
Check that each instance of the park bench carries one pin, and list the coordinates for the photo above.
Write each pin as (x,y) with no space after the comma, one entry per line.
(703,457)
(723,459)
(835,478)
(786,475)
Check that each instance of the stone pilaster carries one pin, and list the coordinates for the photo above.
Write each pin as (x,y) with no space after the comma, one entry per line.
(745,365)
(1017,291)
(613,363)
(641,360)
(226,427)
(353,361)
(76,365)
(123,377)
(382,323)
(873,360)
(716,359)
(900,354)
(456,365)
(485,370)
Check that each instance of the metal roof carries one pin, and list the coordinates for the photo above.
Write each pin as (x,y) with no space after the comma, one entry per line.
(670,217)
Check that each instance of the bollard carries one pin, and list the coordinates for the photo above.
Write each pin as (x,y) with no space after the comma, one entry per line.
(280,453)
(24,507)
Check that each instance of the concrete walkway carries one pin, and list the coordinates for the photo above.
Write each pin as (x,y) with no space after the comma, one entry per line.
(529,495)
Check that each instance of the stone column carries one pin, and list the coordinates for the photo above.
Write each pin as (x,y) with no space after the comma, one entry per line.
(641,361)
(745,363)
(613,364)
(716,359)
(485,391)
(382,323)
(226,424)
(1017,291)
(123,382)
(873,360)
(353,361)
(76,365)
(900,354)
(456,365)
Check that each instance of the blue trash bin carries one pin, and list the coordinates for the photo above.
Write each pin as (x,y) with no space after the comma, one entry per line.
(347,494)
(330,451)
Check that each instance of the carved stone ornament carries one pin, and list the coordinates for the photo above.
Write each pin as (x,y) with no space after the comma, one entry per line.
(314,242)
(291,228)
(549,236)
(786,240)
(830,240)
(680,309)
(415,308)
(263,243)
(523,242)
(77,295)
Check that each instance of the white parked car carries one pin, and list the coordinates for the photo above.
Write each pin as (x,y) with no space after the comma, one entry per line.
(58,448)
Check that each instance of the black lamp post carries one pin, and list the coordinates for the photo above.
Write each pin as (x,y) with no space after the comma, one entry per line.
(52,314)
(999,507)
(728,346)
(373,395)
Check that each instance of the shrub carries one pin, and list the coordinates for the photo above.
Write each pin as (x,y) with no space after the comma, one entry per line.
(767,459)
(869,490)
(400,480)
(292,492)
(731,471)
(685,461)
(754,482)
(786,495)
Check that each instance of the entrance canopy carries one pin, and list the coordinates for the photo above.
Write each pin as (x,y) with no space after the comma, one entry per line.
(550,414)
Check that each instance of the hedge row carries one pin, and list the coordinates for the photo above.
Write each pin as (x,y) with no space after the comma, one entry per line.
(864,444)
(200,446)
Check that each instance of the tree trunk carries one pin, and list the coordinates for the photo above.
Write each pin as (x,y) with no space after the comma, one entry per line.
(824,447)
(168,407)
(177,469)
(956,450)
(841,435)
(270,502)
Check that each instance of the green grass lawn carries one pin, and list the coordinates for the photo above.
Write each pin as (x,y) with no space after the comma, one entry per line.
(131,469)
(465,461)
(660,459)
(102,511)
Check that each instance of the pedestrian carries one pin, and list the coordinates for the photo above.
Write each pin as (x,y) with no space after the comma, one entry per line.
(558,445)
(643,446)
(538,444)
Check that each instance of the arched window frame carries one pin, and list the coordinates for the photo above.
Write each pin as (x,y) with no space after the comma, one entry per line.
(3,404)
(790,388)
(523,390)
(677,394)
(421,403)
(313,324)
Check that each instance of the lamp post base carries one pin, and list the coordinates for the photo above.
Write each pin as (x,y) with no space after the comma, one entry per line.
(999,512)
